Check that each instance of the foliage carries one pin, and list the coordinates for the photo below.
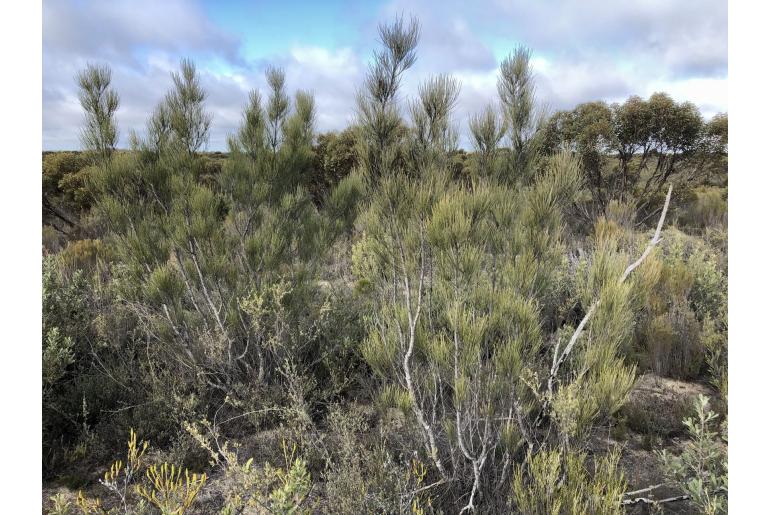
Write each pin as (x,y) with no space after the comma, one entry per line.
(675,343)
(168,492)
(120,478)
(653,141)
(57,356)
(459,277)
(700,471)
(61,505)
(707,208)
(523,119)
(164,489)
(551,483)
(336,158)
(268,489)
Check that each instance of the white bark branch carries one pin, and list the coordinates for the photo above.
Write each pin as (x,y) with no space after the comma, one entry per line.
(576,335)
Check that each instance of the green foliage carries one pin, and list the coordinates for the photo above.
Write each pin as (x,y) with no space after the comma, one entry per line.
(81,255)
(523,119)
(58,170)
(708,208)
(99,102)
(700,471)
(57,356)
(631,150)
(268,489)
(61,505)
(487,130)
(551,483)
(675,345)
(382,131)
(164,488)
(691,289)
(336,158)
(459,277)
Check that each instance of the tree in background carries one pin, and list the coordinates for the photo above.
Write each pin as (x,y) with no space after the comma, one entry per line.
(631,150)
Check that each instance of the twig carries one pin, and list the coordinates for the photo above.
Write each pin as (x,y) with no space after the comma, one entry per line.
(648,489)
(645,500)
(428,487)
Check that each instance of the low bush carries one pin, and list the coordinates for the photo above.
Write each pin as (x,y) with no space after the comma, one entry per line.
(700,471)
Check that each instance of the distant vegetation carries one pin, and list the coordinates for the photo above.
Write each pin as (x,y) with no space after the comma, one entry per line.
(375,321)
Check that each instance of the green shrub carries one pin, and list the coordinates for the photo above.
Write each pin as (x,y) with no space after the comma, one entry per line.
(58,166)
(171,490)
(707,208)
(674,344)
(551,483)
(60,505)
(81,255)
(282,489)
(700,471)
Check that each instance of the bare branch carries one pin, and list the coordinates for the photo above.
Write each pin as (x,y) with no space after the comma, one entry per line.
(576,335)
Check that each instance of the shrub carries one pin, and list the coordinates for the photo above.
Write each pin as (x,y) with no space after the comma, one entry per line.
(57,356)
(549,482)
(700,471)
(168,491)
(60,505)
(58,166)
(283,489)
(172,490)
(53,239)
(81,255)
(708,295)
(674,344)
(707,208)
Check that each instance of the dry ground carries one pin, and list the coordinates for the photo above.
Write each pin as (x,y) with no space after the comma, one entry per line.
(651,421)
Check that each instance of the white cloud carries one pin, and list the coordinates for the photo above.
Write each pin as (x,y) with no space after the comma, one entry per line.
(582,51)
(120,28)
(709,94)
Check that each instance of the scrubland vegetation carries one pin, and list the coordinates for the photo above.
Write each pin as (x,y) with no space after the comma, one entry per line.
(375,321)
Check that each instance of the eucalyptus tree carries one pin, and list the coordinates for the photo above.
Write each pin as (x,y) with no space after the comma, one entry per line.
(630,151)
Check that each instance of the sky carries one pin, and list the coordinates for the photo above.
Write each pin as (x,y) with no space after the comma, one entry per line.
(582,50)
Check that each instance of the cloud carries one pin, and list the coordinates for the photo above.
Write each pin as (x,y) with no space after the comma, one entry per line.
(582,50)
(641,29)
(333,78)
(123,29)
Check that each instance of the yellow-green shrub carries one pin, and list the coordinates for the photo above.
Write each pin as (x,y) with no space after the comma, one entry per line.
(170,489)
(551,482)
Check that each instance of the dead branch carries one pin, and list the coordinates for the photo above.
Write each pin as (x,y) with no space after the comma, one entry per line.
(643,490)
(576,335)
(645,500)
